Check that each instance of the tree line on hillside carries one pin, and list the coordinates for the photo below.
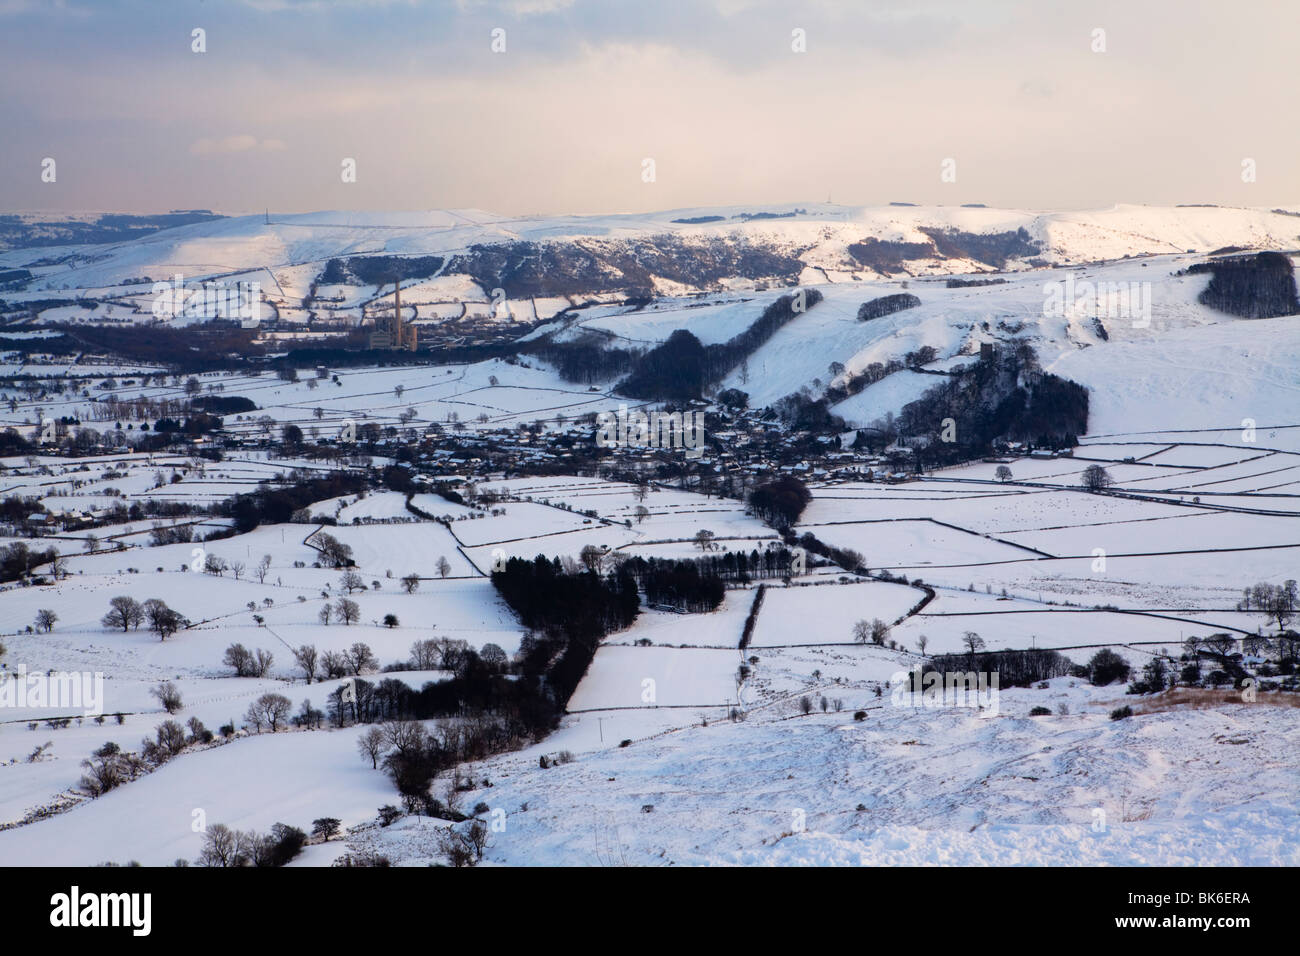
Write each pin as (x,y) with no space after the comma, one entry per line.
(277,505)
(781,501)
(887,305)
(584,360)
(490,703)
(852,383)
(737,567)
(17,560)
(1253,287)
(567,615)
(681,368)
(1022,668)
(1007,397)
(684,585)
(887,256)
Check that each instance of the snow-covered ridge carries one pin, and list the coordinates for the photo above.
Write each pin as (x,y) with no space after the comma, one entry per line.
(818,235)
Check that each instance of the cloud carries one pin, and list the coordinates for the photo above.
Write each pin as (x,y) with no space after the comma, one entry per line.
(527,7)
(15,7)
(1037,86)
(712,89)
(521,8)
(321,6)
(240,143)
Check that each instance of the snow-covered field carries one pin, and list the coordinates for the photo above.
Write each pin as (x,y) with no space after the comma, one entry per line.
(680,747)
(902,785)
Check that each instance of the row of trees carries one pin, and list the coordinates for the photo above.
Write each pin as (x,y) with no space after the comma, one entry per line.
(733,566)
(444,653)
(335,552)
(110,766)
(125,613)
(1014,668)
(17,560)
(781,501)
(344,610)
(1008,397)
(1258,286)
(224,847)
(683,585)
(1278,602)
(681,367)
(277,505)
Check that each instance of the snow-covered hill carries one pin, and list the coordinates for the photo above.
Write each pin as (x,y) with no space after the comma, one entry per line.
(816,237)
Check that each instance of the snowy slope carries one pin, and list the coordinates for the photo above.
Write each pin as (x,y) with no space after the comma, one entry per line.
(820,236)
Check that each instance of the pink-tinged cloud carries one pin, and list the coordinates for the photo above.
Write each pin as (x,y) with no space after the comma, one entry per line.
(241,143)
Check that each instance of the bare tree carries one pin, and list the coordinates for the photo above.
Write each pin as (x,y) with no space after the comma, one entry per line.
(1003,473)
(309,716)
(123,612)
(493,655)
(271,710)
(334,664)
(347,611)
(361,658)
(168,695)
(371,746)
(974,643)
(237,569)
(241,659)
(879,631)
(444,567)
(171,738)
(163,621)
(338,555)
(262,665)
(404,737)
(411,583)
(221,847)
(453,652)
(105,771)
(326,827)
(45,619)
(1096,478)
(305,655)
(425,655)
(351,581)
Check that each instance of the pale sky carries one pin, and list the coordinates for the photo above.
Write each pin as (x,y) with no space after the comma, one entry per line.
(713,91)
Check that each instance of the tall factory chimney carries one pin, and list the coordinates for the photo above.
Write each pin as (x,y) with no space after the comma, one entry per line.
(397,312)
